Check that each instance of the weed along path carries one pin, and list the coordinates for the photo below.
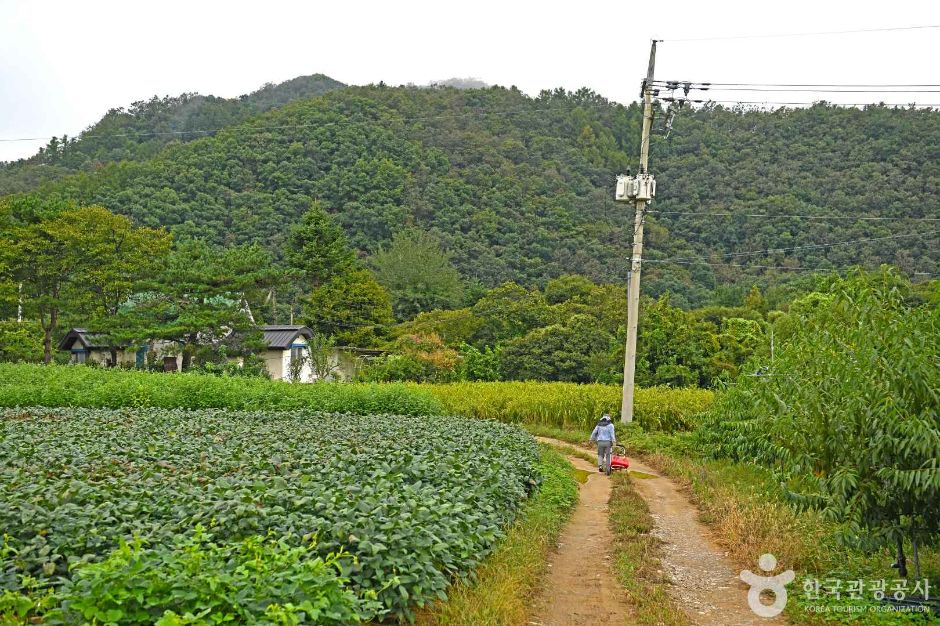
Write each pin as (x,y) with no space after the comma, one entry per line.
(704,583)
(580,587)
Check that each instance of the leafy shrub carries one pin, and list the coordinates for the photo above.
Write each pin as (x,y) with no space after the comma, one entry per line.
(417,358)
(567,405)
(414,501)
(35,385)
(256,580)
(20,341)
(847,411)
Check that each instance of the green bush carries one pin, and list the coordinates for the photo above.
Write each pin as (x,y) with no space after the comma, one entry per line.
(414,501)
(36,385)
(255,581)
(847,411)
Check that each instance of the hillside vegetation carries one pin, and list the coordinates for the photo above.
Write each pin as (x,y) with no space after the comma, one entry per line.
(520,188)
(140,131)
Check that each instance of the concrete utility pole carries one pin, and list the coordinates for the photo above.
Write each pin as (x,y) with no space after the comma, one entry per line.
(640,190)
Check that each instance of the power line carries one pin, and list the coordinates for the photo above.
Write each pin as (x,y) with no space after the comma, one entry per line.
(680,261)
(814,90)
(804,103)
(805,34)
(820,245)
(807,217)
(680,83)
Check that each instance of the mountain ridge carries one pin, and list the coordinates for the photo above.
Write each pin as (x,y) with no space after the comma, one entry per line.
(520,188)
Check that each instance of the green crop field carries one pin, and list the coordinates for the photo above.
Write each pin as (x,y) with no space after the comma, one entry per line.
(63,385)
(138,515)
(569,405)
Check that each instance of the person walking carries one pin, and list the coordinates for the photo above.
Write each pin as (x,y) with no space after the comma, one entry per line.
(606,438)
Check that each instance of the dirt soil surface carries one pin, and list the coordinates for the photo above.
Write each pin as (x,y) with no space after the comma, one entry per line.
(580,587)
(705,583)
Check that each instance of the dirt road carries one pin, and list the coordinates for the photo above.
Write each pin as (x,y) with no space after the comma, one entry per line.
(705,583)
(580,588)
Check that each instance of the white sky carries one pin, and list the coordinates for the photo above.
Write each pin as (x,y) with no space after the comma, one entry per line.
(63,64)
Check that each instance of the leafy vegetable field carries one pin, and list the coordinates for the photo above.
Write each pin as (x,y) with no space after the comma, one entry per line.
(281,518)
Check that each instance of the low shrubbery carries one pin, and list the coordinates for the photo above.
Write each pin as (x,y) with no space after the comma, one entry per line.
(394,507)
(571,406)
(34,385)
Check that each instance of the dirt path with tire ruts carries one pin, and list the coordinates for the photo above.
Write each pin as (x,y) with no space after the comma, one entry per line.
(581,588)
(705,584)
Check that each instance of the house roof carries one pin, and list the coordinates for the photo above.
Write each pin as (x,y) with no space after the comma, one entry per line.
(84,338)
(281,337)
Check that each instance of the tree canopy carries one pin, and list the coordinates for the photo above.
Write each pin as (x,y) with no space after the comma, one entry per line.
(520,189)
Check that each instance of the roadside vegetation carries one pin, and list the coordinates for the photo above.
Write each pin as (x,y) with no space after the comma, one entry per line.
(567,405)
(500,592)
(827,457)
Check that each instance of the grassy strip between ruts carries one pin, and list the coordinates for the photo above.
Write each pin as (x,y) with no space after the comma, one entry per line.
(747,512)
(636,556)
(505,580)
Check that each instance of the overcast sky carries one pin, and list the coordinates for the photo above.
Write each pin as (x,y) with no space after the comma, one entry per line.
(64,64)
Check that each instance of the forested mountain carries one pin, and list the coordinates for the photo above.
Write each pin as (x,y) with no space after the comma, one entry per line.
(521,189)
(141,130)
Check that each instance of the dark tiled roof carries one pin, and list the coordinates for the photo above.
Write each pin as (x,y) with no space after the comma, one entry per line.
(281,337)
(85,339)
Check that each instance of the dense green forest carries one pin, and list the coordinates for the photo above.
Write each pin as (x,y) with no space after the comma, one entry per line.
(470,231)
(141,130)
(520,189)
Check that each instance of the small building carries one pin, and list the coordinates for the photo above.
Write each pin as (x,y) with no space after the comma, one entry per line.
(285,351)
(88,347)
(284,346)
(287,345)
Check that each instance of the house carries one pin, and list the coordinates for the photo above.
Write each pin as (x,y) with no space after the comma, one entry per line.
(285,351)
(89,347)
(285,345)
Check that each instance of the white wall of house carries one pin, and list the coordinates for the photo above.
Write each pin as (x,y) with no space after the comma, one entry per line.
(278,364)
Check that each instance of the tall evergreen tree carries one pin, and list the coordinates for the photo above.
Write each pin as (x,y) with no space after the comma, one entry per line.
(417,273)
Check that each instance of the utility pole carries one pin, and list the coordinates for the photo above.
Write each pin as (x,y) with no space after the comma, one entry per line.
(640,190)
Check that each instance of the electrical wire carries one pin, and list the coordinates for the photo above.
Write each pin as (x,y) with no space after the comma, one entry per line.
(818,246)
(804,103)
(761,267)
(681,83)
(814,90)
(865,218)
(803,34)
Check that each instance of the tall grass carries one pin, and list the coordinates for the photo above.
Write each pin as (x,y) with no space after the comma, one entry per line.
(569,405)
(82,386)
(552,405)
